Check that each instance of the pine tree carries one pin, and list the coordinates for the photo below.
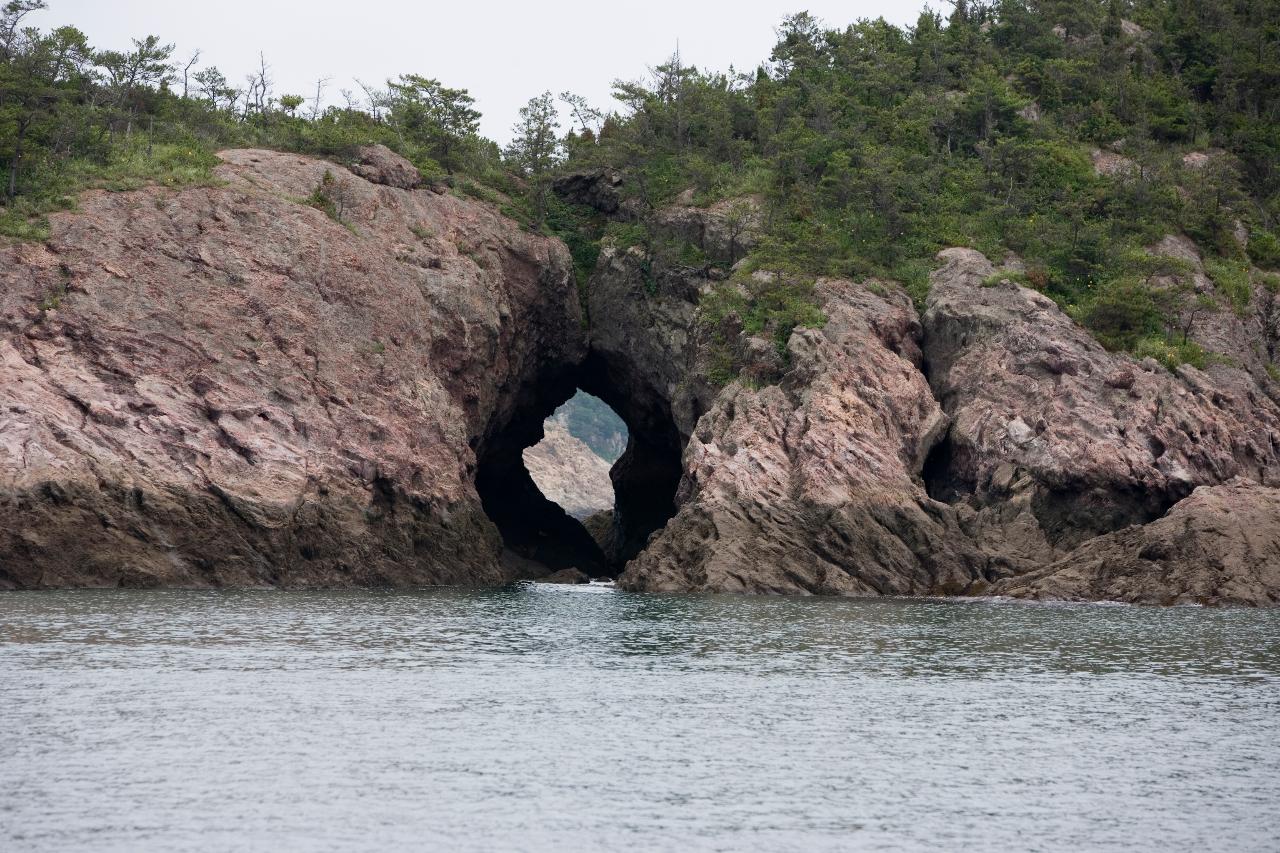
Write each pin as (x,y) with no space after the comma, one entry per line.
(535,148)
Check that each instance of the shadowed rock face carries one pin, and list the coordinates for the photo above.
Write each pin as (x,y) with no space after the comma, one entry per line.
(1219,546)
(640,365)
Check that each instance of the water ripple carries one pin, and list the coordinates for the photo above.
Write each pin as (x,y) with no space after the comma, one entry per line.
(553,718)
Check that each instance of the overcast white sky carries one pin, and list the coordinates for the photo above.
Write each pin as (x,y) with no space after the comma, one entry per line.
(503,52)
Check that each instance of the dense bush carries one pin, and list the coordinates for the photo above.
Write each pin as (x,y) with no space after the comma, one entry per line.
(875,146)
(73,117)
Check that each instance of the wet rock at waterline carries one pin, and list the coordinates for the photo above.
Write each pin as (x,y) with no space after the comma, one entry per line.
(567,577)
(1219,546)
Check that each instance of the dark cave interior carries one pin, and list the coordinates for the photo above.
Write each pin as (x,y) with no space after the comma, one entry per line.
(644,479)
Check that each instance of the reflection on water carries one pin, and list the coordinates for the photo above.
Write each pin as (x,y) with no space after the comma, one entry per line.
(557,718)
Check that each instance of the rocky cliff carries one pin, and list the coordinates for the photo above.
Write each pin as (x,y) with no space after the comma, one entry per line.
(811,485)
(1053,440)
(312,375)
(977,449)
(226,386)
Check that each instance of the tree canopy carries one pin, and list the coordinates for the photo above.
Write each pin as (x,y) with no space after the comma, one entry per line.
(1073,134)
(1070,133)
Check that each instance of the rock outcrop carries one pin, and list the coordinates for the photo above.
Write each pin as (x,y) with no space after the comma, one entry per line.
(227,386)
(1242,336)
(1054,440)
(812,485)
(838,468)
(1219,546)
(724,232)
(224,386)
(378,164)
(599,188)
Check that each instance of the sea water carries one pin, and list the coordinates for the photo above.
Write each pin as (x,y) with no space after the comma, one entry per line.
(584,718)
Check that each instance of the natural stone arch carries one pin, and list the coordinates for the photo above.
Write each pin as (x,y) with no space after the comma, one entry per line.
(645,478)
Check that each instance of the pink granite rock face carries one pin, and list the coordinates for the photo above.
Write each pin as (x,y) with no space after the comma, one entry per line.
(1054,440)
(224,386)
(812,486)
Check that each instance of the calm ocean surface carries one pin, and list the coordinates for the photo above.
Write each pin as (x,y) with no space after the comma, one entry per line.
(557,718)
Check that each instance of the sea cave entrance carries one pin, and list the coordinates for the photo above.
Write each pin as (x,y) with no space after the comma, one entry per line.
(581,474)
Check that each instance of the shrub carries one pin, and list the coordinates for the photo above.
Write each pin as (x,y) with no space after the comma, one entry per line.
(1233,280)
(1122,315)
(332,196)
(1264,249)
(770,306)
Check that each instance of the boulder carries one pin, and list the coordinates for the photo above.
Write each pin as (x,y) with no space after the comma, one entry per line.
(378,164)
(600,189)
(1219,546)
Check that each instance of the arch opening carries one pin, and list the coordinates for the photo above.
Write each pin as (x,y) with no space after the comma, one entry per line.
(541,477)
(582,440)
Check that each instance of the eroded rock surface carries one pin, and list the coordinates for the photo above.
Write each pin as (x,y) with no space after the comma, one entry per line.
(1054,440)
(812,486)
(1032,441)
(1219,546)
(224,386)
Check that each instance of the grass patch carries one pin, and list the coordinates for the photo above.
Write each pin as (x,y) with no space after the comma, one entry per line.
(1001,276)
(128,168)
(1171,354)
(772,307)
(1233,280)
(914,276)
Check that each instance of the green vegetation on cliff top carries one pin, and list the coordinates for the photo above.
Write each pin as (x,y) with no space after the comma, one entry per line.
(1072,134)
